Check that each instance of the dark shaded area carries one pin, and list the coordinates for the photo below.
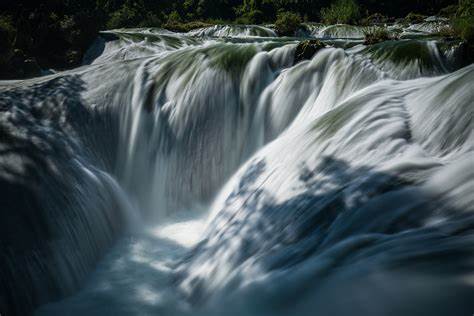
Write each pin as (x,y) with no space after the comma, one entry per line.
(56,34)
(382,229)
(55,221)
(47,34)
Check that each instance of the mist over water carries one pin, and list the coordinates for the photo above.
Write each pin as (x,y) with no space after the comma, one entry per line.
(207,174)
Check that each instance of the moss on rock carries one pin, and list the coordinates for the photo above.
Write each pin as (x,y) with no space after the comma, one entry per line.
(307,49)
(376,35)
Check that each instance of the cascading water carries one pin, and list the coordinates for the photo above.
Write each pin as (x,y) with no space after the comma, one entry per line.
(245,184)
(234,31)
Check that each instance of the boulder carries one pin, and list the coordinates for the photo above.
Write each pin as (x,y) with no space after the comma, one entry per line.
(307,49)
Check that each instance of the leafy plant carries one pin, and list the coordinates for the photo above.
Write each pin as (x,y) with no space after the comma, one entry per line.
(414,18)
(448,11)
(465,9)
(376,35)
(252,17)
(7,36)
(287,23)
(130,14)
(463,22)
(305,50)
(174,17)
(376,18)
(341,12)
(464,29)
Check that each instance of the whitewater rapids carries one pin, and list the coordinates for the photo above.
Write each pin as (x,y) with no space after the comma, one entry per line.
(208,174)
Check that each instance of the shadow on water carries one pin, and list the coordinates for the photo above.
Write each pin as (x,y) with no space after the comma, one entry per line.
(47,236)
(347,222)
(57,218)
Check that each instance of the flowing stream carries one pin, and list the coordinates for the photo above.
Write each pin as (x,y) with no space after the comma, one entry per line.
(207,173)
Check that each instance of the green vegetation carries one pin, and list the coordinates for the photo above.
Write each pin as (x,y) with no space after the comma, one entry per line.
(374,19)
(176,24)
(132,14)
(307,49)
(464,29)
(56,33)
(7,37)
(403,52)
(376,35)
(414,18)
(466,9)
(341,12)
(231,60)
(463,23)
(287,23)
(448,11)
(447,32)
(250,12)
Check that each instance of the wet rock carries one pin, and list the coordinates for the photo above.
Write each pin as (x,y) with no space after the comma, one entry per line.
(307,49)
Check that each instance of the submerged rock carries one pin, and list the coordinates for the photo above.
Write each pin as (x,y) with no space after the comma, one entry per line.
(307,49)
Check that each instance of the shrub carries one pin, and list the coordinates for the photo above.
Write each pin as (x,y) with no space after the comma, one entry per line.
(463,22)
(287,23)
(342,11)
(130,14)
(7,36)
(464,29)
(185,27)
(414,18)
(252,17)
(151,20)
(376,18)
(448,11)
(174,17)
(376,35)
(447,32)
(305,50)
(465,9)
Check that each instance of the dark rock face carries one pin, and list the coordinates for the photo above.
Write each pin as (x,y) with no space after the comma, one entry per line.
(307,49)
(44,39)
(466,56)
(20,66)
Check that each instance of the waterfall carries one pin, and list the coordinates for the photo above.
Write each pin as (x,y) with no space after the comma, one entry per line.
(234,31)
(206,172)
